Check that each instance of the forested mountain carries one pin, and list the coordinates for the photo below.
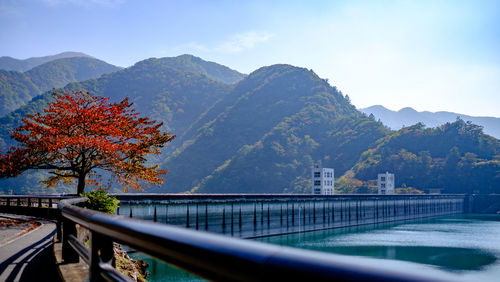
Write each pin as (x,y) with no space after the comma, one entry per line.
(263,133)
(456,157)
(190,63)
(408,116)
(12,64)
(16,88)
(158,91)
(267,134)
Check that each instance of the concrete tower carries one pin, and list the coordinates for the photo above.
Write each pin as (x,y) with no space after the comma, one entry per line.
(322,181)
(386,183)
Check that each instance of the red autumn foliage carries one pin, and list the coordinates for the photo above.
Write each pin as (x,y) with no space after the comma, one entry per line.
(80,133)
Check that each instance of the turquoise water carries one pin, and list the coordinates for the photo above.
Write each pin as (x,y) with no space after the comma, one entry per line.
(465,245)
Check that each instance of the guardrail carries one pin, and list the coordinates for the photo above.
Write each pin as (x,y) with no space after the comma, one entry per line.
(212,256)
(35,205)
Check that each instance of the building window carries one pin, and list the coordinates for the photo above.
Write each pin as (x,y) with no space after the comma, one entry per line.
(317,182)
(382,185)
(382,178)
(317,174)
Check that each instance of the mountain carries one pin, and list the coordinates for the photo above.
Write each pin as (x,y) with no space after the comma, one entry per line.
(16,88)
(190,63)
(456,157)
(264,133)
(170,95)
(268,132)
(408,116)
(58,73)
(12,64)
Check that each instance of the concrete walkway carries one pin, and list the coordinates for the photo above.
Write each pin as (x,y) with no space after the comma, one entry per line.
(26,253)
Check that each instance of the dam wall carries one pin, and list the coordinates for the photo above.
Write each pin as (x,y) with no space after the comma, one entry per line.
(250,216)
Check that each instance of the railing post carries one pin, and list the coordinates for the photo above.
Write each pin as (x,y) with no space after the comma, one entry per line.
(187,216)
(197,220)
(314,212)
(206,216)
(281,214)
(59,226)
(232,218)
(101,250)
(224,219)
(155,217)
(69,255)
(239,218)
(268,216)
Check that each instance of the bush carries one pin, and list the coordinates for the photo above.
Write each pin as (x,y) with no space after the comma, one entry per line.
(100,200)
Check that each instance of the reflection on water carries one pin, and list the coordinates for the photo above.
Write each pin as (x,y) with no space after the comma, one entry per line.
(445,257)
(465,244)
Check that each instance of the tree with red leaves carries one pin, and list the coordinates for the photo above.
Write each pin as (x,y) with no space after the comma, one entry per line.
(79,134)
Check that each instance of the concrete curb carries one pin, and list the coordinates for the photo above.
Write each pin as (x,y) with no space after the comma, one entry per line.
(76,272)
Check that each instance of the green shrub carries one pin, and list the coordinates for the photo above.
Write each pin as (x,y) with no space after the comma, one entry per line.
(100,200)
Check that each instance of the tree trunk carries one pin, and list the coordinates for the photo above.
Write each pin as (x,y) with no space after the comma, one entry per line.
(81,184)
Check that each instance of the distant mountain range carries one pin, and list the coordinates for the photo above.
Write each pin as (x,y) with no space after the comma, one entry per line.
(263,132)
(409,116)
(12,64)
(17,88)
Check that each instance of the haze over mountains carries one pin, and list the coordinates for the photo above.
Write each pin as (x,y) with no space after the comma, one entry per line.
(263,132)
(13,64)
(408,116)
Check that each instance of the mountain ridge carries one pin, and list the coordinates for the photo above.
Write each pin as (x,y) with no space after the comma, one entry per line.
(212,70)
(16,88)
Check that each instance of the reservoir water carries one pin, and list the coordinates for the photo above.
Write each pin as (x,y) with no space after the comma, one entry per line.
(465,245)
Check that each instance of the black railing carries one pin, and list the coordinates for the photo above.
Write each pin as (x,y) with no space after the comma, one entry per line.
(39,201)
(212,256)
(35,205)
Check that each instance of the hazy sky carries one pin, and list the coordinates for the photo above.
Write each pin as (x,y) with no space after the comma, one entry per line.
(430,55)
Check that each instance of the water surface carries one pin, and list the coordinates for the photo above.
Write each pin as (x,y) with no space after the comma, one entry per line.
(465,245)
(468,245)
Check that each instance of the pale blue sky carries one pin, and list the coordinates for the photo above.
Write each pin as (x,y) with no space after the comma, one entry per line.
(430,55)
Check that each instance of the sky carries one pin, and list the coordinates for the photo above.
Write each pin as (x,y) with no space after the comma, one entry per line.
(428,55)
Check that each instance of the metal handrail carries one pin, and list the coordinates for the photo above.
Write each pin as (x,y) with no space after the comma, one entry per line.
(218,257)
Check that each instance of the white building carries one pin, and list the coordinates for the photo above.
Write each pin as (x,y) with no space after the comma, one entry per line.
(322,181)
(386,183)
